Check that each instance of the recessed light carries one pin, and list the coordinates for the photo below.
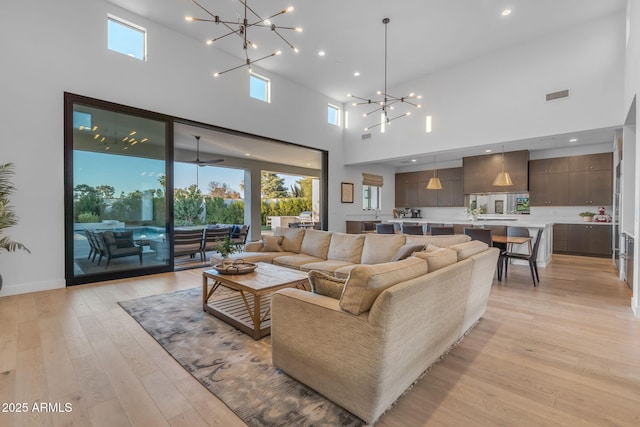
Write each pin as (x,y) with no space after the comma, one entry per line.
(573,140)
(487,151)
(321,53)
(506,12)
(413,160)
(247,154)
(357,73)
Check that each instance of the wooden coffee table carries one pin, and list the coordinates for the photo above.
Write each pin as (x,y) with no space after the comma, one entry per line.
(248,309)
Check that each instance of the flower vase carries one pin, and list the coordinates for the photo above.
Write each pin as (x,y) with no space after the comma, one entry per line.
(226,261)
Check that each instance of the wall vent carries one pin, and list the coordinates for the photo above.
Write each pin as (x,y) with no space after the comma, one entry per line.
(366,136)
(557,95)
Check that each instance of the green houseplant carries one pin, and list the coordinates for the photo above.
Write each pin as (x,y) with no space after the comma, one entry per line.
(587,216)
(8,217)
(226,248)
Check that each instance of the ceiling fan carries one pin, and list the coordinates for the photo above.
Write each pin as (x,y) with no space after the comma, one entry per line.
(199,162)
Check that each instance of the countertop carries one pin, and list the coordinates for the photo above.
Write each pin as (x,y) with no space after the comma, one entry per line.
(516,221)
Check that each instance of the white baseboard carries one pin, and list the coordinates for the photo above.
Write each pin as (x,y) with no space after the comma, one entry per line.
(635,306)
(24,288)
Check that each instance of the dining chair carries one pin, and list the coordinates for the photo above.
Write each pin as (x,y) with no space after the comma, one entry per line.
(438,231)
(413,229)
(531,258)
(518,232)
(485,235)
(385,229)
(433,224)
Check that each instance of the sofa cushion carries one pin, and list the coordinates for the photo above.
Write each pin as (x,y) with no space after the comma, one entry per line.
(465,250)
(438,258)
(440,241)
(405,251)
(295,260)
(316,243)
(326,285)
(329,266)
(249,256)
(380,248)
(346,247)
(366,282)
(292,238)
(271,244)
(344,272)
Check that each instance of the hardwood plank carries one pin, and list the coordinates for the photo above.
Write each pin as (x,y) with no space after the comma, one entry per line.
(166,396)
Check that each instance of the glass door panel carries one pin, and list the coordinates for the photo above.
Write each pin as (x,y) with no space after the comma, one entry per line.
(119,207)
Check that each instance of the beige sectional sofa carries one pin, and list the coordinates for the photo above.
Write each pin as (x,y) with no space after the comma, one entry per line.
(334,253)
(371,326)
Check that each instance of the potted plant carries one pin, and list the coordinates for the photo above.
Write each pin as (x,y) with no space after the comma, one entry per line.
(587,216)
(8,217)
(226,248)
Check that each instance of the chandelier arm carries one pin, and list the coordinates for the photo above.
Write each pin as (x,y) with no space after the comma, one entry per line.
(400,116)
(212,15)
(225,35)
(248,63)
(366,100)
(371,112)
(411,103)
(285,40)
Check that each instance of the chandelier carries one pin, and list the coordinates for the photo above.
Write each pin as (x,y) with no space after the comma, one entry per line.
(387,102)
(240,28)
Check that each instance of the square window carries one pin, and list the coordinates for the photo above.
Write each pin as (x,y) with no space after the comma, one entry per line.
(371,197)
(333,115)
(126,38)
(259,87)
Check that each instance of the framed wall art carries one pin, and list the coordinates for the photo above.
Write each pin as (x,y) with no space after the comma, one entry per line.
(346,192)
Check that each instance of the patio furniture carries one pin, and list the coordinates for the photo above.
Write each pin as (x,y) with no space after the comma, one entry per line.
(188,242)
(117,244)
(213,237)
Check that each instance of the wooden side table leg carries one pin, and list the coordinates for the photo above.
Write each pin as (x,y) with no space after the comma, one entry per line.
(256,317)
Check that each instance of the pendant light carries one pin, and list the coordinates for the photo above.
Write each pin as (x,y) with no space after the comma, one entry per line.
(503,179)
(434,183)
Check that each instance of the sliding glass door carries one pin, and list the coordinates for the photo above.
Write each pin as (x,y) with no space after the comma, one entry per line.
(117,200)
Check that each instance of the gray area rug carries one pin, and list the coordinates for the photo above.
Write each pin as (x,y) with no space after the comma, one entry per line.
(232,365)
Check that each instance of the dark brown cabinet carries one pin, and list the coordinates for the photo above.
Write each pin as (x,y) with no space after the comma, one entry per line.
(578,239)
(480,172)
(406,190)
(549,182)
(571,181)
(451,193)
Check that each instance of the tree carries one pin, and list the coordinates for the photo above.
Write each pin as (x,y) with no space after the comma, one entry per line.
(187,205)
(302,188)
(86,200)
(222,190)
(272,186)
(105,191)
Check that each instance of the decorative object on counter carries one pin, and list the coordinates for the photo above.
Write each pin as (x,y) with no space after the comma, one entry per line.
(346,192)
(587,216)
(472,213)
(499,206)
(434,183)
(522,205)
(503,179)
(602,216)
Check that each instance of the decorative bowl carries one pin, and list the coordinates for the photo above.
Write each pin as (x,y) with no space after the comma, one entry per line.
(237,267)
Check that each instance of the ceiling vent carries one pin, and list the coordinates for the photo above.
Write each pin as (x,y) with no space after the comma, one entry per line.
(557,95)
(366,136)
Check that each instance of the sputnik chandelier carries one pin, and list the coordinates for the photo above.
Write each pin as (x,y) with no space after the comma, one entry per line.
(387,102)
(240,28)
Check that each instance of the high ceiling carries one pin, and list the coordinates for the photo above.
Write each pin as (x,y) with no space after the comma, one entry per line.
(423,36)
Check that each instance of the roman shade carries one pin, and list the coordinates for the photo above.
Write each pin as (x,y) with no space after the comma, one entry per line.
(370,179)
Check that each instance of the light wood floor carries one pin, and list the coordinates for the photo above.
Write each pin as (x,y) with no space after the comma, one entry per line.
(565,353)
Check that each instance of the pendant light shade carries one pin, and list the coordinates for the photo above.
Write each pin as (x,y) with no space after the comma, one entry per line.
(434,183)
(503,179)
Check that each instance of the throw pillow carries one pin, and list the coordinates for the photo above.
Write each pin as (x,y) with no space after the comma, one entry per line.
(438,258)
(405,251)
(366,282)
(323,284)
(271,244)
(465,250)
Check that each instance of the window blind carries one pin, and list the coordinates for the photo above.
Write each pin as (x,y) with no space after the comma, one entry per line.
(371,179)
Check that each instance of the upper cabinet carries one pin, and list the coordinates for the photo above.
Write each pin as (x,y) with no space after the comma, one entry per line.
(571,181)
(480,171)
(411,189)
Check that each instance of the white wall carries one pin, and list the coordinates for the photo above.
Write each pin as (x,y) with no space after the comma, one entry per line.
(52,47)
(500,97)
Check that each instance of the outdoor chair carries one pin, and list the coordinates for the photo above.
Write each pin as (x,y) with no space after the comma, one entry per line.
(94,248)
(214,237)
(118,245)
(239,234)
(385,229)
(531,258)
(188,242)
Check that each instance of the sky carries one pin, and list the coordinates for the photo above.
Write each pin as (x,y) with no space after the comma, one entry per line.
(128,174)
